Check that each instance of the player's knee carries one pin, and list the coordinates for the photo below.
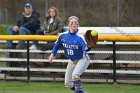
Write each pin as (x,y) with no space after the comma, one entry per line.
(75,77)
(67,84)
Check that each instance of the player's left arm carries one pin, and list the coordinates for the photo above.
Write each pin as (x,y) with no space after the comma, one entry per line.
(83,46)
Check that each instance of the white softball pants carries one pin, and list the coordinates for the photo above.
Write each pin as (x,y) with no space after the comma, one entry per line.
(75,68)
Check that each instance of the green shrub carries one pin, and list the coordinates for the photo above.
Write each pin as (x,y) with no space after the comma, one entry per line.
(88,24)
(3,29)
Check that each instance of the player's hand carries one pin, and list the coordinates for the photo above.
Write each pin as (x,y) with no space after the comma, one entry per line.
(15,28)
(51,58)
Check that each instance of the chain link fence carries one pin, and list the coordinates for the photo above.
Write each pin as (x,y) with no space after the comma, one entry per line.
(110,62)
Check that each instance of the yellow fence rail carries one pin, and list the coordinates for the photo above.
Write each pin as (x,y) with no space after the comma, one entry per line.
(54,37)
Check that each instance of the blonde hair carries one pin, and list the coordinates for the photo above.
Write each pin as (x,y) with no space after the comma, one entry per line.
(55,9)
(71,17)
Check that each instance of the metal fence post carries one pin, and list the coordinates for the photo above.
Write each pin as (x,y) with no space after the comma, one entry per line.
(118,13)
(114,62)
(28,63)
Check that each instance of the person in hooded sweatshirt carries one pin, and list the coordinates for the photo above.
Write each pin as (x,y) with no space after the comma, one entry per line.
(28,24)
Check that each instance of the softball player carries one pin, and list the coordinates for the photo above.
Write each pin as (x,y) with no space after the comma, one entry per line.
(75,50)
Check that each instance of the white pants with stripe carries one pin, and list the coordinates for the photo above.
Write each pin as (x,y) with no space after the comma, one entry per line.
(75,68)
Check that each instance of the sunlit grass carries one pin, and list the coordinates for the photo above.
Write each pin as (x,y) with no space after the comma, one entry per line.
(48,87)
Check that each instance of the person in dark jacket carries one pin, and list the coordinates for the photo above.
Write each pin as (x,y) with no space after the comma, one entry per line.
(28,24)
(53,25)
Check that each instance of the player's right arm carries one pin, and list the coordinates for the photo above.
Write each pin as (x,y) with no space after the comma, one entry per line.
(51,58)
(55,49)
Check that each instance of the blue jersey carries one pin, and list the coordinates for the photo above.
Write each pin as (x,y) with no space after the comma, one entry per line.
(73,43)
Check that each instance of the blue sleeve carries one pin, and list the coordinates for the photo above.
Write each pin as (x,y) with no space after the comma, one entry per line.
(83,46)
(57,45)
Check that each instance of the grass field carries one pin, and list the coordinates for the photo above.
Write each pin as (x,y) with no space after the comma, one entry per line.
(48,87)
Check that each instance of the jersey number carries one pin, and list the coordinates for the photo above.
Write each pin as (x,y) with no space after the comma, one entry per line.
(70,52)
